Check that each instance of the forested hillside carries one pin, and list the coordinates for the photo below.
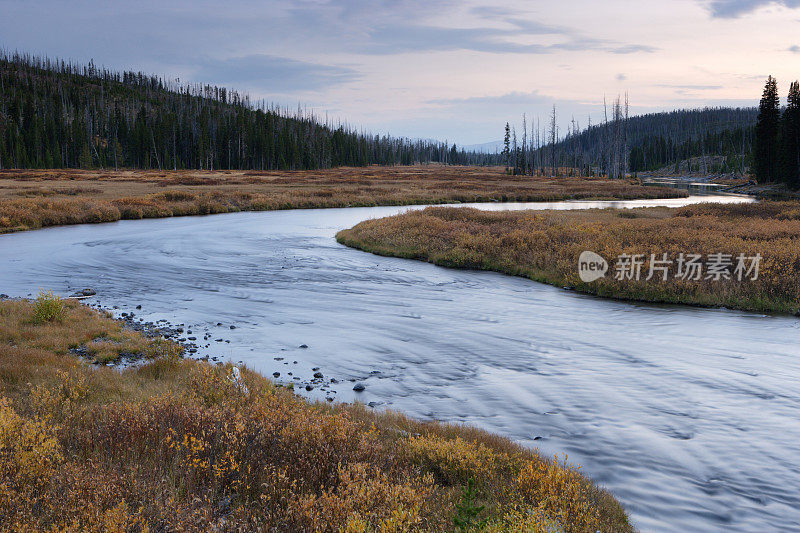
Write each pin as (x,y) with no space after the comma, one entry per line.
(640,143)
(55,114)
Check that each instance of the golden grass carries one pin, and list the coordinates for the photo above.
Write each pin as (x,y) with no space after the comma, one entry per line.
(31,199)
(182,445)
(545,246)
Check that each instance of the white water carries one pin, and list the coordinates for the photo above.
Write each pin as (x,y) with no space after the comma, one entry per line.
(690,416)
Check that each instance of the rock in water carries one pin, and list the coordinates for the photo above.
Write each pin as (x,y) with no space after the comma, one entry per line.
(359,387)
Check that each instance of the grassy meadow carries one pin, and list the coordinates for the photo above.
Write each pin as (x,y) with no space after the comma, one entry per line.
(181,445)
(31,199)
(545,246)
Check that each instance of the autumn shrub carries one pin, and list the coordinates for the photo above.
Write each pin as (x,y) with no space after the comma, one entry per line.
(560,493)
(48,308)
(57,399)
(366,499)
(455,461)
(29,449)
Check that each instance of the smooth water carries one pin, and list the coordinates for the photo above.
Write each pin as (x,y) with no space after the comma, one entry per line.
(690,416)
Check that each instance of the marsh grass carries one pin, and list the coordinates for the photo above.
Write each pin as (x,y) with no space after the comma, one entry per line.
(180,445)
(545,246)
(31,199)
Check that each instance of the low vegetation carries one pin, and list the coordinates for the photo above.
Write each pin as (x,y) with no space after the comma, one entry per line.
(47,308)
(31,199)
(177,444)
(545,246)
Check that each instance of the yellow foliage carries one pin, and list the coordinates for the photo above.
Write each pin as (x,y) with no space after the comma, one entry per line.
(365,499)
(47,308)
(60,398)
(454,461)
(524,520)
(559,492)
(28,448)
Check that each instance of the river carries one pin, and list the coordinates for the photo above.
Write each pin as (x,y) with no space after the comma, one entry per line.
(691,417)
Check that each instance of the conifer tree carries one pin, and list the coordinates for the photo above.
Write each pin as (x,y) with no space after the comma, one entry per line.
(790,137)
(765,151)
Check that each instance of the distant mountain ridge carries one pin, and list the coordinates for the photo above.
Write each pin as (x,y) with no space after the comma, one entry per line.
(647,142)
(491,147)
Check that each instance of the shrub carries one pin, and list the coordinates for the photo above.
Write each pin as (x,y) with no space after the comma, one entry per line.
(48,308)
(28,448)
(454,461)
(561,492)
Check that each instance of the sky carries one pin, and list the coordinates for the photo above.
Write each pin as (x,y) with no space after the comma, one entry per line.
(434,69)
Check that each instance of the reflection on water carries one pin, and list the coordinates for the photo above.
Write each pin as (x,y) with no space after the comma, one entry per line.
(698,186)
(688,415)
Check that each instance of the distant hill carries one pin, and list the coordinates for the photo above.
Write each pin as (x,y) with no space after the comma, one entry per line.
(659,139)
(652,141)
(55,114)
(494,147)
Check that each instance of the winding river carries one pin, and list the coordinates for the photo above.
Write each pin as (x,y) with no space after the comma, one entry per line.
(691,417)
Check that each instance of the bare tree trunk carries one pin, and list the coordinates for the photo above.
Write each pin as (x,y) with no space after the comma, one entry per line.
(155,150)
(627,152)
(606,151)
(524,145)
(553,136)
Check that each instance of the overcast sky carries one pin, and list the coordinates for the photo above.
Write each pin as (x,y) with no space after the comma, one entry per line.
(442,69)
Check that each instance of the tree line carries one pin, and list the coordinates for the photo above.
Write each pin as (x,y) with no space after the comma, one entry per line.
(57,114)
(621,144)
(776,152)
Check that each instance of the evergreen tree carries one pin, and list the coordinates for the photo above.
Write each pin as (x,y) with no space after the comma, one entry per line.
(790,136)
(765,150)
(58,114)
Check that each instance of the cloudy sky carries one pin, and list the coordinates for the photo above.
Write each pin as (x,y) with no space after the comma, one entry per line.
(443,69)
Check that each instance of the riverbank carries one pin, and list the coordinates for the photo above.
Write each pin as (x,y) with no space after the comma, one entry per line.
(31,199)
(545,246)
(181,444)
